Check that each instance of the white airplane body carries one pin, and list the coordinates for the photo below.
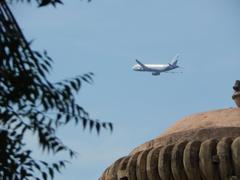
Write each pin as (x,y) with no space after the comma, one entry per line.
(156,69)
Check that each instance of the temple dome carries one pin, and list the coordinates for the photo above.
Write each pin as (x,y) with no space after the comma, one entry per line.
(200,126)
(200,146)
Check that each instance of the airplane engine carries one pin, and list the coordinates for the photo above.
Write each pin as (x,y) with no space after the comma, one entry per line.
(155,73)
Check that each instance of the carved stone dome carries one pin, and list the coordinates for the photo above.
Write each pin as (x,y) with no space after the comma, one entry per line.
(200,146)
(213,124)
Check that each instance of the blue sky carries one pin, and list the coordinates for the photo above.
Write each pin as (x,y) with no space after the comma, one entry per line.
(106,36)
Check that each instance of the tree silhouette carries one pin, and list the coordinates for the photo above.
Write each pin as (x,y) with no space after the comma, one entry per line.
(29,102)
(42,3)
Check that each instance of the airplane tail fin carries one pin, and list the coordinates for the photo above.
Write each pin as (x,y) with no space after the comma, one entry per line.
(175,60)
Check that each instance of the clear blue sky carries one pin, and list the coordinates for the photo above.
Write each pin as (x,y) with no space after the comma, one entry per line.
(106,36)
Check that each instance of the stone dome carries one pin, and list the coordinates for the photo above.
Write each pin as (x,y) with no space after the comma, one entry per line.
(200,146)
(200,126)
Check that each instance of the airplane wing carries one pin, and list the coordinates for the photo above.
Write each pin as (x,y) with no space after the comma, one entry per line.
(141,64)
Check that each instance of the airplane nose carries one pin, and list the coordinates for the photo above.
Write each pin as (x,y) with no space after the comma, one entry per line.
(134,68)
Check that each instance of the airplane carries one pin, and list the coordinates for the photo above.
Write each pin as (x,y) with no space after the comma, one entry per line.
(156,69)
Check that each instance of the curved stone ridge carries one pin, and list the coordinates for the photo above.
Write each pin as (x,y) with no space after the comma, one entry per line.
(200,126)
(212,159)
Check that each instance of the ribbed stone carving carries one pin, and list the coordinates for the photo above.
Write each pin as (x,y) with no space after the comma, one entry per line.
(210,160)
(203,146)
(177,161)
(141,165)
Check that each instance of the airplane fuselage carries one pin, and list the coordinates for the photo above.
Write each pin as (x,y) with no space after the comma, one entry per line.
(153,67)
(156,69)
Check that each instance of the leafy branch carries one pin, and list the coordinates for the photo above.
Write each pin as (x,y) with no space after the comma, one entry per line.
(29,102)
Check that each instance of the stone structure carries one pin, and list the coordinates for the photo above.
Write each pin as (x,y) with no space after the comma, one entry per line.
(236,95)
(204,146)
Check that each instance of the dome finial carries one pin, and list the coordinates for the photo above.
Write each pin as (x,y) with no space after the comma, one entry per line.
(236,94)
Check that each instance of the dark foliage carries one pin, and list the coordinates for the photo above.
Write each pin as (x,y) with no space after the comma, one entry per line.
(42,3)
(29,102)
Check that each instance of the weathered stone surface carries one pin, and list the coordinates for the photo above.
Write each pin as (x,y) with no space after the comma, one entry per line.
(204,146)
(208,159)
(236,86)
(236,156)
(103,177)
(131,167)
(194,160)
(202,126)
(141,169)
(177,161)
(225,159)
(236,95)
(164,162)
(236,98)
(112,172)
(152,164)
(122,171)
(191,160)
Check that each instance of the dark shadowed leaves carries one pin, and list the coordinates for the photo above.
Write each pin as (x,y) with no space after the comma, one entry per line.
(31,103)
(43,3)
(98,127)
(47,2)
